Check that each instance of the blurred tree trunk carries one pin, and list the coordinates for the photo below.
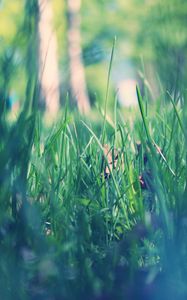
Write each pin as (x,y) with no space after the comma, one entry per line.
(30,29)
(48,59)
(77,75)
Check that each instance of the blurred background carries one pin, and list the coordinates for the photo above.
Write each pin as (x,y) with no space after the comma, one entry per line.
(65,47)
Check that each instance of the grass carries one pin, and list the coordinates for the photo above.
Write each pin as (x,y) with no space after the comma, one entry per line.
(71,230)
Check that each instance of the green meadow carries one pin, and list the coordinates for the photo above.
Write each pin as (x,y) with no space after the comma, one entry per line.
(93,204)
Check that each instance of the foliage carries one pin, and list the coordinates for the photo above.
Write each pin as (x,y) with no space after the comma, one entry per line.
(68,231)
(94,207)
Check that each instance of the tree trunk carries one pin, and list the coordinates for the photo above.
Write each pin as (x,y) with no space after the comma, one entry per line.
(30,24)
(77,76)
(48,60)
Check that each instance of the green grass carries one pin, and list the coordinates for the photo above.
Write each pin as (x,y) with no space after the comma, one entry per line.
(68,231)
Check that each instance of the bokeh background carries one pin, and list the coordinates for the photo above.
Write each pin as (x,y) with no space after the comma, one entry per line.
(66,46)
